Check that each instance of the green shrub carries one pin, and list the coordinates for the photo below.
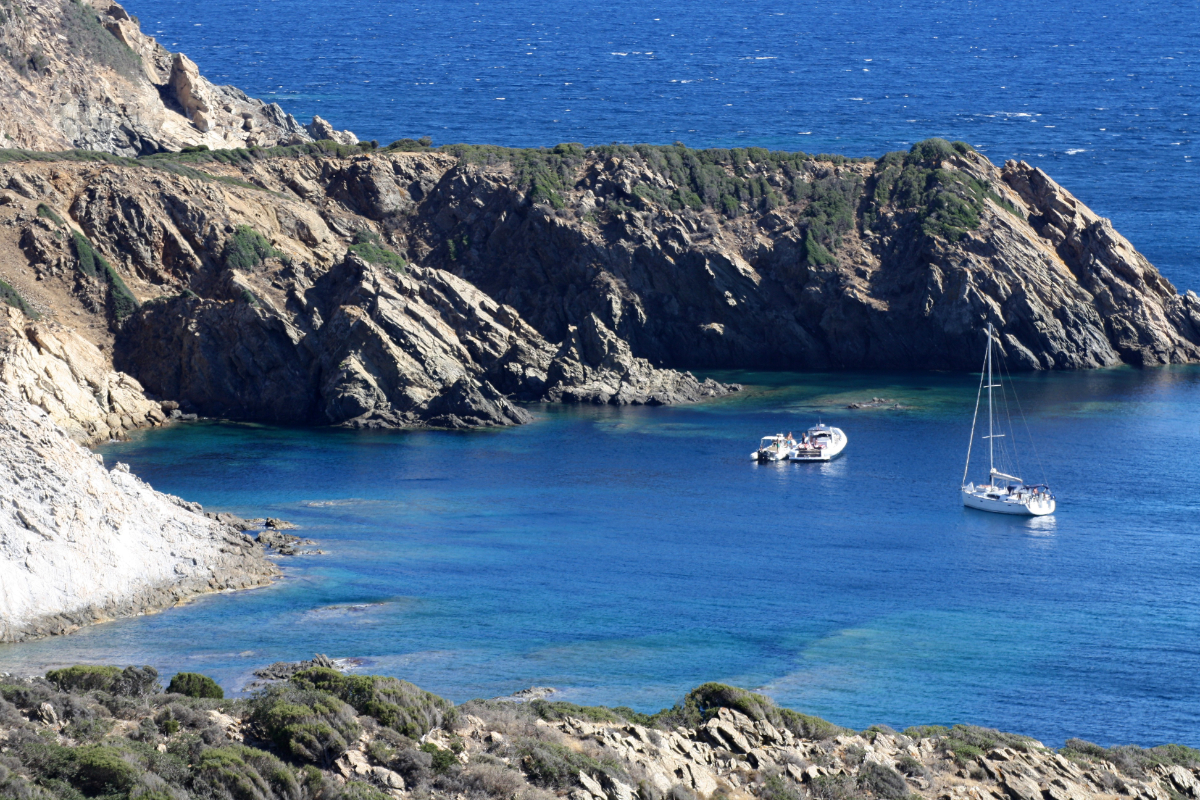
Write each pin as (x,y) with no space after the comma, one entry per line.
(247,249)
(555,710)
(814,252)
(397,704)
(85,255)
(411,145)
(309,725)
(370,248)
(90,729)
(195,685)
(948,203)
(443,760)
(357,790)
(554,766)
(911,767)
(84,678)
(926,731)
(777,787)
(103,770)
(882,781)
(13,298)
(703,702)
(1134,761)
(834,787)
(244,773)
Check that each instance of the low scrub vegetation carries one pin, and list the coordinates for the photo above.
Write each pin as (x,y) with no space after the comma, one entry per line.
(308,725)
(12,297)
(89,39)
(703,702)
(946,203)
(121,302)
(46,212)
(1134,761)
(391,702)
(247,249)
(113,733)
(370,248)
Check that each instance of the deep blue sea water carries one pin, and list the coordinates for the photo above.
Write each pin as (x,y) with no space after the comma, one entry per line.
(625,556)
(1103,95)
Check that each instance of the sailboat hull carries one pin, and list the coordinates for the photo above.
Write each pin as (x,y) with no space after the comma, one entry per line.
(1001,503)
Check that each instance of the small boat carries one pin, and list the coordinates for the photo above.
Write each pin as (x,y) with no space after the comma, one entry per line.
(819,443)
(773,448)
(1003,493)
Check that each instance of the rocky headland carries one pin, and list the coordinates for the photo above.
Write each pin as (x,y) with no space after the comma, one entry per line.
(262,275)
(320,734)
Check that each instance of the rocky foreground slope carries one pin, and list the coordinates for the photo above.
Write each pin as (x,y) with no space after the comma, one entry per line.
(81,543)
(81,74)
(323,735)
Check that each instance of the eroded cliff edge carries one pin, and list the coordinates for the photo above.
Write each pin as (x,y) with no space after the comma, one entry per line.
(80,543)
(81,74)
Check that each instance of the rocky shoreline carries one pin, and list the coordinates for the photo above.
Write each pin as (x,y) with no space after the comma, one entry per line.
(80,543)
(317,733)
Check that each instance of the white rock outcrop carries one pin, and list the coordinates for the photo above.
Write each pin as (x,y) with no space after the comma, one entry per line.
(79,543)
(69,378)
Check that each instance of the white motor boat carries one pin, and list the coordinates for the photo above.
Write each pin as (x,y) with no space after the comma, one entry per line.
(773,448)
(1003,493)
(819,443)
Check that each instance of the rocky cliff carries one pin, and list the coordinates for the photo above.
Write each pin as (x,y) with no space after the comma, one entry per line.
(81,74)
(326,736)
(243,294)
(79,543)
(737,259)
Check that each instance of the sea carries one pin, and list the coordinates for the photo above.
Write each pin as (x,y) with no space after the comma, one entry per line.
(625,555)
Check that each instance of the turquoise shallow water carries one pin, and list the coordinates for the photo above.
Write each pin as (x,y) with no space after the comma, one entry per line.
(627,555)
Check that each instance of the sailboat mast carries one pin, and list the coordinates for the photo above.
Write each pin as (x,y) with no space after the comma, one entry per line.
(991,437)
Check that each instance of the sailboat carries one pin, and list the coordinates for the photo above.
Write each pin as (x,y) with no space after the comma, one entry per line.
(1003,493)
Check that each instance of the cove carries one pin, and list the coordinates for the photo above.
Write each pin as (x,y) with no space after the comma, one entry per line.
(625,555)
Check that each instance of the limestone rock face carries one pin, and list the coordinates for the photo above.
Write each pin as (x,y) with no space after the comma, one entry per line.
(79,543)
(72,380)
(81,74)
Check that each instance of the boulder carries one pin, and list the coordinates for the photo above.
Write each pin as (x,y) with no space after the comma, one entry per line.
(188,90)
(319,129)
